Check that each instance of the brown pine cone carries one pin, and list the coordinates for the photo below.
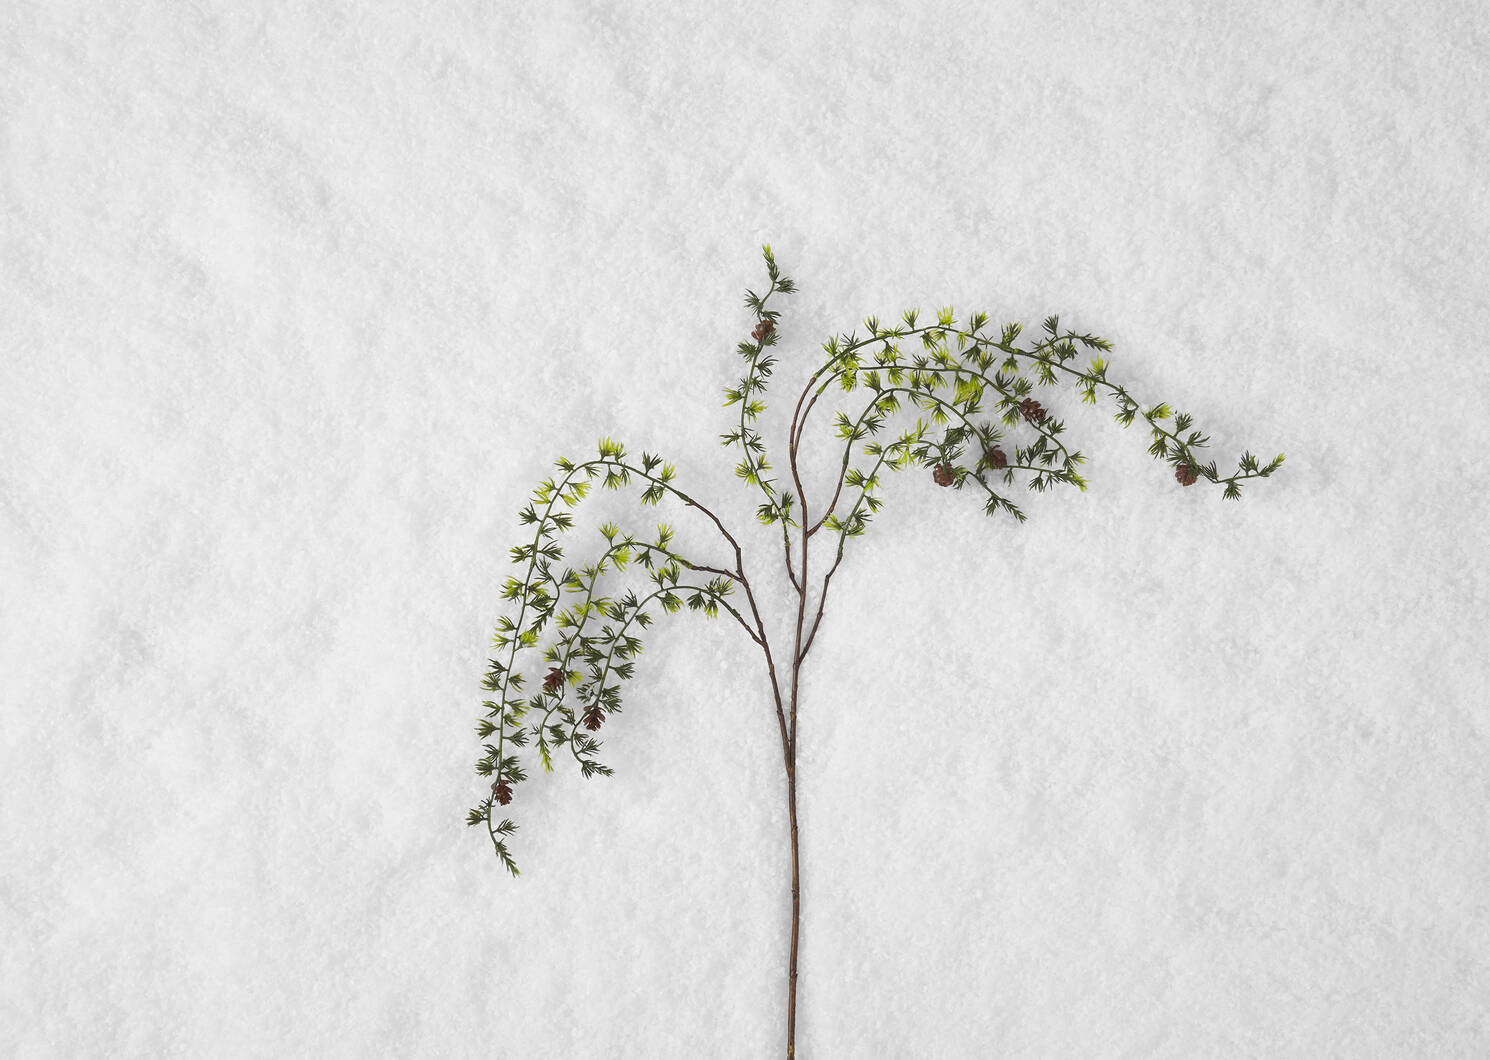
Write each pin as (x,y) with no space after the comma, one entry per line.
(554,681)
(995,457)
(502,792)
(764,328)
(1185,475)
(1032,410)
(944,475)
(593,717)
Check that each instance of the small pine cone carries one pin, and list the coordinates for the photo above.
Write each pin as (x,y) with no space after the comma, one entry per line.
(593,717)
(995,457)
(764,328)
(502,792)
(554,681)
(944,475)
(1185,475)
(1032,410)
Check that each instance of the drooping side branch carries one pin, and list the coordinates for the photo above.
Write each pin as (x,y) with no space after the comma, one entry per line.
(611,651)
(1047,358)
(968,377)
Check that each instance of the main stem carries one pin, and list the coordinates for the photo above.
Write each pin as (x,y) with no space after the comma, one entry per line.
(791,1002)
(791,792)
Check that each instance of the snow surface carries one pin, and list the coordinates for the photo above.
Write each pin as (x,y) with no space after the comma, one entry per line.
(301,300)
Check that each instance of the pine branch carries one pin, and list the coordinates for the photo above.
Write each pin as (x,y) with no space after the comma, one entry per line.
(943,375)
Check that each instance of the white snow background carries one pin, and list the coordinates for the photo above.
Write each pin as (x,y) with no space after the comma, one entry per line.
(298,302)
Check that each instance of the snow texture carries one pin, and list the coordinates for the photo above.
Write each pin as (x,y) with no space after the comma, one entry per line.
(299,303)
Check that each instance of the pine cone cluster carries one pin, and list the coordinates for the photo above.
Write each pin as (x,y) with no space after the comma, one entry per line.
(944,475)
(593,717)
(764,328)
(995,457)
(554,681)
(502,792)
(1185,475)
(1032,409)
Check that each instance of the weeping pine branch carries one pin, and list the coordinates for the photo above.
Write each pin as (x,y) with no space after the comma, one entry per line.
(957,399)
